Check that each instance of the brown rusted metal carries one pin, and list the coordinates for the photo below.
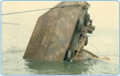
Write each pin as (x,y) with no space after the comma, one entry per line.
(55,32)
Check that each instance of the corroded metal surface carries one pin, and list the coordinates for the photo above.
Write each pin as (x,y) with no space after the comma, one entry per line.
(53,32)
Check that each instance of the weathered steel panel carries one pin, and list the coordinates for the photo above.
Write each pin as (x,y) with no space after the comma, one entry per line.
(53,32)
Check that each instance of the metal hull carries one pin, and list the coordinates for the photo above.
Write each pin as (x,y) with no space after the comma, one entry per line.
(53,32)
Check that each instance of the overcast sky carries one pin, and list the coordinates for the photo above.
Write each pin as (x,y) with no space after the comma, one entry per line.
(103,13)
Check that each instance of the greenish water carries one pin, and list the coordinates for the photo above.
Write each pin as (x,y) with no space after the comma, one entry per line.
(104,41)
(14,64)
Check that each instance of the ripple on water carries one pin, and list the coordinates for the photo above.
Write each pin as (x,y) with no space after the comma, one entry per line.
(12,63)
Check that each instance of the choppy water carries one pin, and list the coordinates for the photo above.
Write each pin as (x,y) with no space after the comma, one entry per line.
(12,62)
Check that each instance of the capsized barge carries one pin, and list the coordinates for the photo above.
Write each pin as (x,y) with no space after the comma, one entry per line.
(61,33)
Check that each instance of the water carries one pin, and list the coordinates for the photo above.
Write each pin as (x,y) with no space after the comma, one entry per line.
(13,63)
(104,42)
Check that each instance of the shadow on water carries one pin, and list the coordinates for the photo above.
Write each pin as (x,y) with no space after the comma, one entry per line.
(50,67)
(13,63)
(12,58)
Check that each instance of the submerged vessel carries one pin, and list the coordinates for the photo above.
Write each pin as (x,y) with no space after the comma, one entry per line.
(61,33)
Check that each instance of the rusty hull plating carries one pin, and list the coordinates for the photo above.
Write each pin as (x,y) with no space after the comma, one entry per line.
(61,33)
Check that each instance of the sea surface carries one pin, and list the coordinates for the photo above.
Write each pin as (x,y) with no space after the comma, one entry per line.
(104,43)
(17,30)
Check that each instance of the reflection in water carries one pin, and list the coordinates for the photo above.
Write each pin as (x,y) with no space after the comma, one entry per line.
(48,67)
(12,63)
